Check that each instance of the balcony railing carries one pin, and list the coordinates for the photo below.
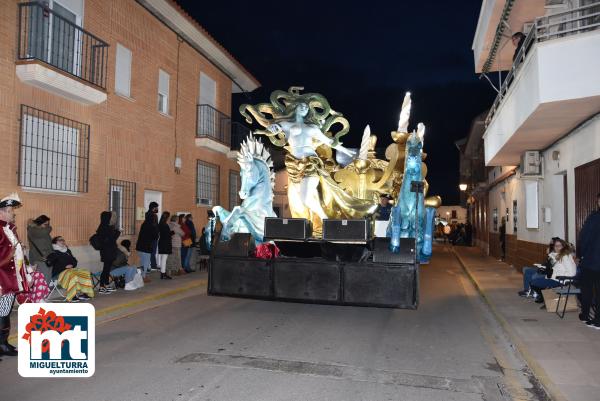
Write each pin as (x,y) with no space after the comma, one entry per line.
(572,22)
(55,40)
(213,124)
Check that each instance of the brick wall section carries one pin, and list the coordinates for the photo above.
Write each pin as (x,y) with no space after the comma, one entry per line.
(518,253)
(129,139)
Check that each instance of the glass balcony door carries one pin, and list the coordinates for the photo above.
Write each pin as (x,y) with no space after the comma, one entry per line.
(54,37)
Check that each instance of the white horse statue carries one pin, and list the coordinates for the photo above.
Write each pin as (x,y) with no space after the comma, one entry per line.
(258,181)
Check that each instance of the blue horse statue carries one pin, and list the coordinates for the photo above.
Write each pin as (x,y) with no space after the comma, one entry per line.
(403,218)
(258,181)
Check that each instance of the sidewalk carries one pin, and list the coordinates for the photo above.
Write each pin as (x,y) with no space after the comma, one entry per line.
(123,303)
(564,354)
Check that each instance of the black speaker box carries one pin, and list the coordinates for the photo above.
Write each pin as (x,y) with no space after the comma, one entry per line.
(346,230)
(277,228)
(240,245)
(406,255)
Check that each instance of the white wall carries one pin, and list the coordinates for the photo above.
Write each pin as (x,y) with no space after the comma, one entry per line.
(554,89)
(578,148)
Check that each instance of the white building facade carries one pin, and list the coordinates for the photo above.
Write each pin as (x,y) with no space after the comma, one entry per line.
(542,134)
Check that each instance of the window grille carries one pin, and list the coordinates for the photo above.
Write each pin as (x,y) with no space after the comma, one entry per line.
(121,199)
(54,152)
(207,184)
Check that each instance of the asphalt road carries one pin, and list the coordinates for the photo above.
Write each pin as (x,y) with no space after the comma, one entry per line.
(217,348)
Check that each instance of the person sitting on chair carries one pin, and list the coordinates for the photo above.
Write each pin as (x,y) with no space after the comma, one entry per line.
(120,264)
(561,263)
(64,268)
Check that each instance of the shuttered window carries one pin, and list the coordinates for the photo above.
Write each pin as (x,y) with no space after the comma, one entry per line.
(208,90)
(163,92)
(123,71)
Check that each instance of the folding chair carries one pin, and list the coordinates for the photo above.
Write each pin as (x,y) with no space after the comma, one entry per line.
(569,290)
(55,290)
(96,279)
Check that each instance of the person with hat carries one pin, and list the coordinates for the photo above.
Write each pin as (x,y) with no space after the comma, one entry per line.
(147,237)
(12,268)
(383,209)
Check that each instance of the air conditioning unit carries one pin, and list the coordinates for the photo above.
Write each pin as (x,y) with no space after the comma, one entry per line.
(531,164)
(204,201)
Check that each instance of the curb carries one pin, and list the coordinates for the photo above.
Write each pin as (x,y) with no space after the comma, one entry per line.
(539,372)
(140,301)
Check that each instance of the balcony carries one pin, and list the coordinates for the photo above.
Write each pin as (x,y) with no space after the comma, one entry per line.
(213,129)
(58,56)
(551,87)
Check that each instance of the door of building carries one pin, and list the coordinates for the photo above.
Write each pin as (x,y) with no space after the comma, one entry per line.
(587,187)
(153,196)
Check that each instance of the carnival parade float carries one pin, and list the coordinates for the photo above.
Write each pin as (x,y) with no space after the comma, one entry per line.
(332,250)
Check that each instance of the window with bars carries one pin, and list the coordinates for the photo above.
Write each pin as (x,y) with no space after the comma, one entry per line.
(121,200)
(54,152)
(235,183)
(207,184)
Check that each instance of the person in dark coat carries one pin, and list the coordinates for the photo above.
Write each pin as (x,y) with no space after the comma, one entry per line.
(164,244)
(383,209)
(588,252)
(108,235)
(469,234)
(517,39)
(147,237)
(40,244)
(76,281)
(189,222)
(503,238)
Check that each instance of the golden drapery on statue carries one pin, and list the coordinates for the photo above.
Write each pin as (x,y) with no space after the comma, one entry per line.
(334,200)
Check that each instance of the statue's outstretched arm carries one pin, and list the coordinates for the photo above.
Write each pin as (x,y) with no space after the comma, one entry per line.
(324,139)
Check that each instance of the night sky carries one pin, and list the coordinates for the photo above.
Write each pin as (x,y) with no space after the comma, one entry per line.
(363,58)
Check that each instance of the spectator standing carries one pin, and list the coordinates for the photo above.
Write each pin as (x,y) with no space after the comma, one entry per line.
(12,268)
(147,237)
(165,247)
(108,235)
(503,238)
(383,209)
(189,221)
(588,252)
(469,234)
(517,40)
(186,243)
(174,259)
(74,280)
(40,244)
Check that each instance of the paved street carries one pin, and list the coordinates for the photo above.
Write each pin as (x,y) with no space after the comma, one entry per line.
(216,348)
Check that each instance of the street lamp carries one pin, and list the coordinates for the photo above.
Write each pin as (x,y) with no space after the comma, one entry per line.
(462,187)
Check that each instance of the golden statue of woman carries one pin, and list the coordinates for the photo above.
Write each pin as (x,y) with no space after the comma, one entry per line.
(301,123)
